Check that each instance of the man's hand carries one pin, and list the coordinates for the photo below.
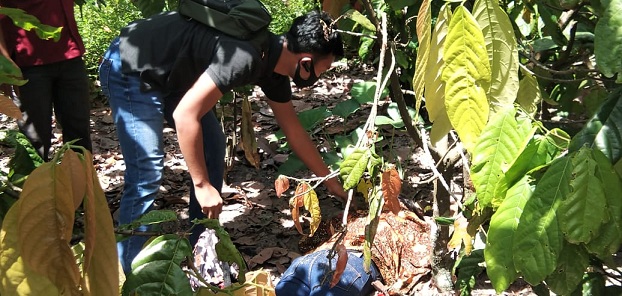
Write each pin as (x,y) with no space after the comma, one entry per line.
(336,188)
(210,201)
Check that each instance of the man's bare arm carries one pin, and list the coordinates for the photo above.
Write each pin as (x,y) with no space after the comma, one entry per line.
(199,100)
(301,144)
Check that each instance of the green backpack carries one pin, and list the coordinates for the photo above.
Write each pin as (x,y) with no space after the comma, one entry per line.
(243,19)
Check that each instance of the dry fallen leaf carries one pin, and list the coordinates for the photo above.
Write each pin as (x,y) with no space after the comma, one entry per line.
(246,240)
(342,261)
(9,108)
(461,235)
(364,187)
(391,185)
(294,207)
(263,256)
(312,204)
(249,142)
(281,185)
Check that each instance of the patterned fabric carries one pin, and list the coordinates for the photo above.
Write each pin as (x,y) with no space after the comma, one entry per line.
(206,261)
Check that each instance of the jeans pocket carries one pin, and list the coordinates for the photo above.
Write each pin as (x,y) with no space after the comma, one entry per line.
(104,74)
(312,273)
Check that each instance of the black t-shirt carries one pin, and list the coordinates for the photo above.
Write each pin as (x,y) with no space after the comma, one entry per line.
(170,52)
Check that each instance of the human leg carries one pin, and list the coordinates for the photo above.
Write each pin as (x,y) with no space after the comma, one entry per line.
(72,104)
(35,102)
(139,121)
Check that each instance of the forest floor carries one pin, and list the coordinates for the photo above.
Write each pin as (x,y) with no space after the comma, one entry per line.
(259,222)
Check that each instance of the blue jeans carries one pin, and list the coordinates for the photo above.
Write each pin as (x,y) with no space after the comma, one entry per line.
(310,275)
(139,119)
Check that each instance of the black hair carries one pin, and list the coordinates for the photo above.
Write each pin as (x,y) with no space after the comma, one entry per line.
(314,33)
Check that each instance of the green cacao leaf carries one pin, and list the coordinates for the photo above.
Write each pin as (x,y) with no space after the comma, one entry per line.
(538,240)
(29,22)
(608,39)
(12,75)
(150,218)
(608,242)
(582,211)
(434,85)
(468,269)
(226,250)
(596,96)
(364,92)
(503,224)
(594,283)
(498,146)
(353,167)
(603,131)
(440,128)
(424,28)
(550,18)
(373,216)
(374,163)
(529,95)
(502,52)
(310,118)
(25,159)
(165,247)
(365,47)
(344,108)
(156,269)
(385,120)
(162,277)
(573,262)
(540,150)
(467,77)
(360,19)
(21,165)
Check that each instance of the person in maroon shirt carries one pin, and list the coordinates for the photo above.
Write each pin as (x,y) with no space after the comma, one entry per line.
(57,78)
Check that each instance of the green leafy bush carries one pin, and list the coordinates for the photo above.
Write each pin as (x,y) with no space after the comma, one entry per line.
(99,24)
(284,12)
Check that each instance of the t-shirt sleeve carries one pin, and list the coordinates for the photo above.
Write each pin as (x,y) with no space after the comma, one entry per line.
(232,64)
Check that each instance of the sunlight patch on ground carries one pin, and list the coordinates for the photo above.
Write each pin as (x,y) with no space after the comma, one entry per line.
(231,212)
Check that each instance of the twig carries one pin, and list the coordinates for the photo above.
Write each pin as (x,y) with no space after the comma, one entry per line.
(589,73)
(380,82)
(356,34)
(465,161)
(436,172)
(563,57)
(321,179)
(148,233)
(318,180)
(344,220)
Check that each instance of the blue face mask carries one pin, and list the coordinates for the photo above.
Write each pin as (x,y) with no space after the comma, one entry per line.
(312,76)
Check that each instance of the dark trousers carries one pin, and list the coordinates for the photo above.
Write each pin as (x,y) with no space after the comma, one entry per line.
(63,88)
